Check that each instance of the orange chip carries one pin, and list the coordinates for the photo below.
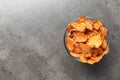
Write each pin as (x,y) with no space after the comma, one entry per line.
(82,27)
(81,19)
(106,51)
(80,37)
(97,59)
(89,25)
(100,22)
(69,43)
(69,27)
(100,50)
(75,54)
(77,49)
(76,44)
(97,24)
(85,48)
(91,61)
(94,52)
(83,58)
(71,33)
(94,60)
(92,33)
(73,25)
(88,55)
(103,31)
(104,44)
(79,27)
(94,41)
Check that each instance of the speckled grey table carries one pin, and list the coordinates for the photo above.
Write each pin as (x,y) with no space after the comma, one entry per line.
(31,39)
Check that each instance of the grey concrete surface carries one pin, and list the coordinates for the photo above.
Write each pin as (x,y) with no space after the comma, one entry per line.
(31,39)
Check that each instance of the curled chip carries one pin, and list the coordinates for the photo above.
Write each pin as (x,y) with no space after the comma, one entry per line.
(82,27)
(77,49)
(69,27)
(80,37)
(71,33)
(97,59)
(69,43)
(91,33)
(94,60)
(100,50)
(94,41)
(82,19)
(94,52)
(79,27)
(106,50)
(83,58)
(103,31)
(91,61)
(104,44)
(89,25)
(75,54)
(85,49)
(97,24)
(86,40)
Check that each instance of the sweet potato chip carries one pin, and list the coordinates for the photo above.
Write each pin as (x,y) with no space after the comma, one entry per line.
(69,27)
(100,23)
(81,19)
(94,41)
(94,60)
(106,50)
(75,54)
(97,59)
(89,25)
(82,27)
(69,43)
(88,55)
(94,52)
(103,31)
(91,33)
(77,49)
(100,51)
(76,44)
(97,24)
(83,58)
(91,61)
(85,48)
(79,27)
(104,44)
(71,33)
(80,37)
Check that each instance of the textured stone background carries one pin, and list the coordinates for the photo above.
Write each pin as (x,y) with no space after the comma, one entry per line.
(31,39)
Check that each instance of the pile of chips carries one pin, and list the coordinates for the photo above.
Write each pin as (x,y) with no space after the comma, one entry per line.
(86,39)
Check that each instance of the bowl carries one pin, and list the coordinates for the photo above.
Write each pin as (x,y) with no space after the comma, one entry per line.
(65,35)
